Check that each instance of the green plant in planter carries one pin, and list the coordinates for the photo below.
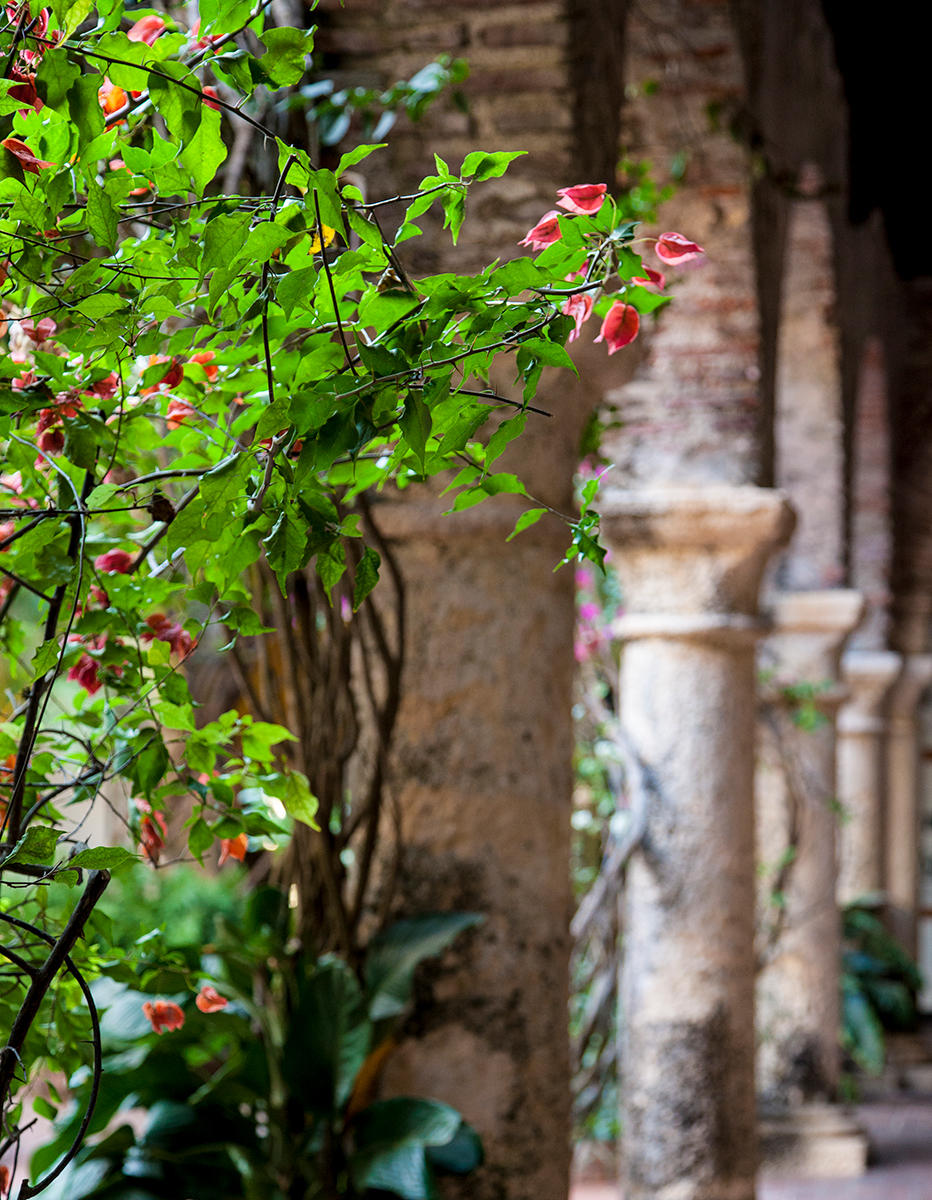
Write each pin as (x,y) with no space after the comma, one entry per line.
(880,983)
(262,1087)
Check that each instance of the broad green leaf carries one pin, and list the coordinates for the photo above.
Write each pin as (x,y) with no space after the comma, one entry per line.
(204,151)
(299,800)
(37,845)
(367,576)
(103,858)
(394,955)
(525,521)
(102,216)
(480,166)
(287,51)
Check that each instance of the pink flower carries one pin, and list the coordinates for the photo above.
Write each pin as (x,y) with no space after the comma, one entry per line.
(146,29)
(84,672)
(163,1014)
(233,848)
(583,199)
(209,999)
(588,611)
(115,562)
(673,248)
(544,233)
(620,326)
(650,276)
(579,307)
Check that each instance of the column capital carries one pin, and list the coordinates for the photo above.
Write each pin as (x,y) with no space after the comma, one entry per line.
(686,552)
(868,676)
(913,681)
(808,634)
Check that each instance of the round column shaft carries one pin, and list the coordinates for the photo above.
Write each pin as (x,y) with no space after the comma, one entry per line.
(868,676)
(902,825)
(798,986)
(690,561)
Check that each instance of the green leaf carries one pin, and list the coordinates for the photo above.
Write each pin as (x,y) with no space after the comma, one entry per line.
(103,858)
(525,521)
(299,800)
(394,954)
(102,217)
(367,576)
(330,566)
(286,57)
(415,424)
(204,151)
(70,13)
(37,845)
(391,1139)
(328,1039)
(200,839)
(357,154)
(480,166)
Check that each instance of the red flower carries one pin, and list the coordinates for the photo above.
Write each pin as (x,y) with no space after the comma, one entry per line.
(4,1179)
(115,562)
(146,29)
(583,199)
(107,387)
(578,307)
(38,332)
(172,377)
(544,233)
(650,276)
(209,999)
(27,160)
(673,248)
(84,672)
(52,441)
(620,326)
(163,1014)
(210,95)
(25,89)
(152,832)
(167,630)
(233,848)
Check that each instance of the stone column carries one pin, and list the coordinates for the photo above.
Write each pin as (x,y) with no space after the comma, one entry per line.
(690,562)
(800,942)
(481,783)
(862,723)
(902,832)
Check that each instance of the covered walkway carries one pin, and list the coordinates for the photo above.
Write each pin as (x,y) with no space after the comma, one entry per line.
(901,1161)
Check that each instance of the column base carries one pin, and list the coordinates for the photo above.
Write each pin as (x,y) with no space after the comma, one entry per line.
(813,1141)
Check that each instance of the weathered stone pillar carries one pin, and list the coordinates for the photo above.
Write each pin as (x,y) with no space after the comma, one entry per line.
(481,782)
(690,562)
(902,840)
(798,985)
(862,723)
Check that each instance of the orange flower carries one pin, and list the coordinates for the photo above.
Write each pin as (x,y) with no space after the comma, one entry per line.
(178,411)
(163,1014)
(233,848)
(206,359)
(209,999)
(110,97)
